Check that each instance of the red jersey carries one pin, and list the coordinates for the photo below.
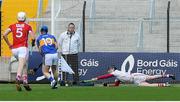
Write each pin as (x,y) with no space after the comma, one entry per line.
(20,32)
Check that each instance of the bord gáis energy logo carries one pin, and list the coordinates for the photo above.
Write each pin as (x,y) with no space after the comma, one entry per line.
(150,67)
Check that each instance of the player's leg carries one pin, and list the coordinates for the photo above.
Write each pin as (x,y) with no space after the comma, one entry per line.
(54,65)
(150,77)
(49,76)
(21,61)
(24,74)
(48,62)
(24,53)
(140,79)
(153,84)
(54,68)
(55,72)
(46,73)
(25,79)
(19,71)
(21,64)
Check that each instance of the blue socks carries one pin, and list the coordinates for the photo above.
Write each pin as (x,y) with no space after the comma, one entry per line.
(50,79)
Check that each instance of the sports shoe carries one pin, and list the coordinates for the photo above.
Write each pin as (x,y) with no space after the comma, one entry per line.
(27,87)
(18,85)
(172,76)
(54,84)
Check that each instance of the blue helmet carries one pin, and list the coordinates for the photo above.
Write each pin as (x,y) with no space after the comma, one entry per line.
(44,28)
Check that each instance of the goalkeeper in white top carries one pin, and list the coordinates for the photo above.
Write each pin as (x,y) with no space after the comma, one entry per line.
(139,79)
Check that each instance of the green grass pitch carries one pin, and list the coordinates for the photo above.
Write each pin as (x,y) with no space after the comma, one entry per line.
(42,92)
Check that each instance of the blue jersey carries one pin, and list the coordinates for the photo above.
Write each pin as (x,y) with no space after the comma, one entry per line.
(47,43)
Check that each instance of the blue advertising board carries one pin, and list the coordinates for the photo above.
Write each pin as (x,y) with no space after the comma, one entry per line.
(95,64)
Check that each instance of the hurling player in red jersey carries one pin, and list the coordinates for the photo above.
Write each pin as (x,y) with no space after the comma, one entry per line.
(19,48)
(139,79)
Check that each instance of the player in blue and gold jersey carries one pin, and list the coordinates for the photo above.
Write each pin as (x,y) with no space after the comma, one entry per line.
(47,46)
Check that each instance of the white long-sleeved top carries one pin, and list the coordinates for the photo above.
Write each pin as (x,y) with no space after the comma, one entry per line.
(120,75)
(69,43)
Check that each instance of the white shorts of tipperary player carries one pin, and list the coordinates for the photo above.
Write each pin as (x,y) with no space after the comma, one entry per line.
(51,59)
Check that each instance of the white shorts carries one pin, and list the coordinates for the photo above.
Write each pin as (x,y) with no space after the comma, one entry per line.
(21,52)
(51,59)
(139,78)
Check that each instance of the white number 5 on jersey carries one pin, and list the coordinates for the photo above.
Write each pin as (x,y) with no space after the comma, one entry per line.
(19,32)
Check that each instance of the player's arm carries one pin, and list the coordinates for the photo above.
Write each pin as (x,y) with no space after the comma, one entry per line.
(56,45)
(32,34)
(55,42)
(39,48)
(6,38)
(38,44)
(33,37)
(103,77)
